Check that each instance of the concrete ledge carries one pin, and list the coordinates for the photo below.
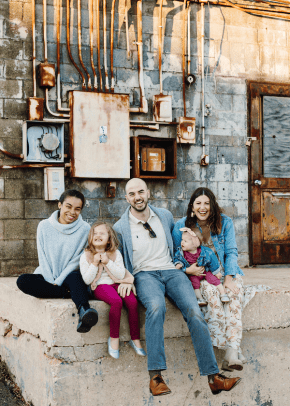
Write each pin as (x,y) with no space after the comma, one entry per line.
(56,366)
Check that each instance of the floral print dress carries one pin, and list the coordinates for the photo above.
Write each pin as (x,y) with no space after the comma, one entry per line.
(225,320)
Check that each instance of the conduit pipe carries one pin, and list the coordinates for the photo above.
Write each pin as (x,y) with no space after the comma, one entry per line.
(127,29)
(34,166)
(188,41)
(50,111)
(105,44)
(143,101)
(91,18)
(68,43)
(160,47)
(99,45)
(58,83)
(112,46)
(80,44)
(10,154)
(183,56)
(33,49)
(45,60)
(204,157)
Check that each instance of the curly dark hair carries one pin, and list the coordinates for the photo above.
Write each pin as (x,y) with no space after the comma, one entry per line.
(214,220)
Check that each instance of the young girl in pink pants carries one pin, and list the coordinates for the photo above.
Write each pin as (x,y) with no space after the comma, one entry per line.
(102,267)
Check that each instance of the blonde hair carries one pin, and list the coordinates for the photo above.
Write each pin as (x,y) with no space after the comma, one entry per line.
(113,242)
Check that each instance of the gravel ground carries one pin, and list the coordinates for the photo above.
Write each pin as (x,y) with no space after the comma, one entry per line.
(10,394)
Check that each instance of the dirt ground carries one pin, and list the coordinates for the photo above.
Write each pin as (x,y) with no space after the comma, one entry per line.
(10,394)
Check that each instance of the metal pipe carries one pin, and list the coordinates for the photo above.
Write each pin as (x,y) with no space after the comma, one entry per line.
(143,101)
(202,79)
(153,122)
(160,47)
(44,31)
(59,108)
(33,49)
(112,46)
(99,45)
(68,43)
(34,166)
(183,57)
(127,29)
(105,44)
(10,154)
(91,17)
(50,111)
(80,44)
(188,41)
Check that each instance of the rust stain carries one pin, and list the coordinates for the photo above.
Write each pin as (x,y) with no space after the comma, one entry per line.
(35,108)
(46,74)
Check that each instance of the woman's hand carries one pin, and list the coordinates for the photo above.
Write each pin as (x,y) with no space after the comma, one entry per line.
(230,284)
(104,258)
(195,270)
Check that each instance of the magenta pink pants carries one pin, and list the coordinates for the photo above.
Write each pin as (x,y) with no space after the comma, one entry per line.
(209,277)
(109,294)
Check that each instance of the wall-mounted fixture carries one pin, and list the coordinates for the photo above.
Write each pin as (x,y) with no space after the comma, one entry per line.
(43,141)
(99,135)
(153,158)
(186,130)
(53,183)
(111,189)
(162,107)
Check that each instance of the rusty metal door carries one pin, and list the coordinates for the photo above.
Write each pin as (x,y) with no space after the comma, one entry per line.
(269,172)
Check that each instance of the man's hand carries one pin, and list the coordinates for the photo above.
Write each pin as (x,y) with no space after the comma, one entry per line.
(178,266)
(124,289)
(97,259)
(104,258)
(195,270)
(219,275)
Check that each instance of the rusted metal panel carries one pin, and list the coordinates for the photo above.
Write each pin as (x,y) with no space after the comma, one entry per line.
(152,159)
(162,107)
(276,215)
(269,212)
(99,135)
(35,106)
(186,130)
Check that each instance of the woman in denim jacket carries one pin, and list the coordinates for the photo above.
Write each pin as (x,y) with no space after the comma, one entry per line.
(204,217)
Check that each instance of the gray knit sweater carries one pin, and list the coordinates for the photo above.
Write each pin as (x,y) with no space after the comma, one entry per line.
(59,247)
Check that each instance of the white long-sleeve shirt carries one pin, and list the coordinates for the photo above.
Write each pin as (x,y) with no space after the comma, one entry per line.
(89,271)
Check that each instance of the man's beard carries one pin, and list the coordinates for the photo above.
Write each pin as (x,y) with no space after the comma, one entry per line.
(140,209)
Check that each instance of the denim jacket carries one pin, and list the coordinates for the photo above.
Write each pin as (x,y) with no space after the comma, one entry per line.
(224,243)
(207,258)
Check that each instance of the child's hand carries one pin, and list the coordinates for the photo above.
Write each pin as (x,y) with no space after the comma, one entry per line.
(104,258)
(97,259)
(219,275)
(178,266)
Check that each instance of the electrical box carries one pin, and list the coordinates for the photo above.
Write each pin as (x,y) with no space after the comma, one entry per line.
(162,108)
(186,130)
(43,141)
(53,183)
(46,74)
(99,135)
(153,158)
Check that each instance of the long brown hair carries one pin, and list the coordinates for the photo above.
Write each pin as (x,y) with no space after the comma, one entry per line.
(214,219)
(113,242)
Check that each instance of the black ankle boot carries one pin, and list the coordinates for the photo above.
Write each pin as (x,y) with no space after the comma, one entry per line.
(87,319)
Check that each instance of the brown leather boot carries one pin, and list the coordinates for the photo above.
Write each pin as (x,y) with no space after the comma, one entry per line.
(221,383)
(158,387)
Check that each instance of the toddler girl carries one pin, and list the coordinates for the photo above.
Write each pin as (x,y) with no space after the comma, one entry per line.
(191,252)
(102,267)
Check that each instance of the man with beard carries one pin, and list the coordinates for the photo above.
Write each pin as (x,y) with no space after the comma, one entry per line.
(146,244)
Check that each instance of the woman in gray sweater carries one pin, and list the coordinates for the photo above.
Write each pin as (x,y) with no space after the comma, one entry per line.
(61,240)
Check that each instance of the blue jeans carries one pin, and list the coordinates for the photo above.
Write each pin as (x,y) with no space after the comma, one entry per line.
(152,286)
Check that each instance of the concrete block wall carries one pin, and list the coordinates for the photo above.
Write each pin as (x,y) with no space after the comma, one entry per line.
(238,47)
